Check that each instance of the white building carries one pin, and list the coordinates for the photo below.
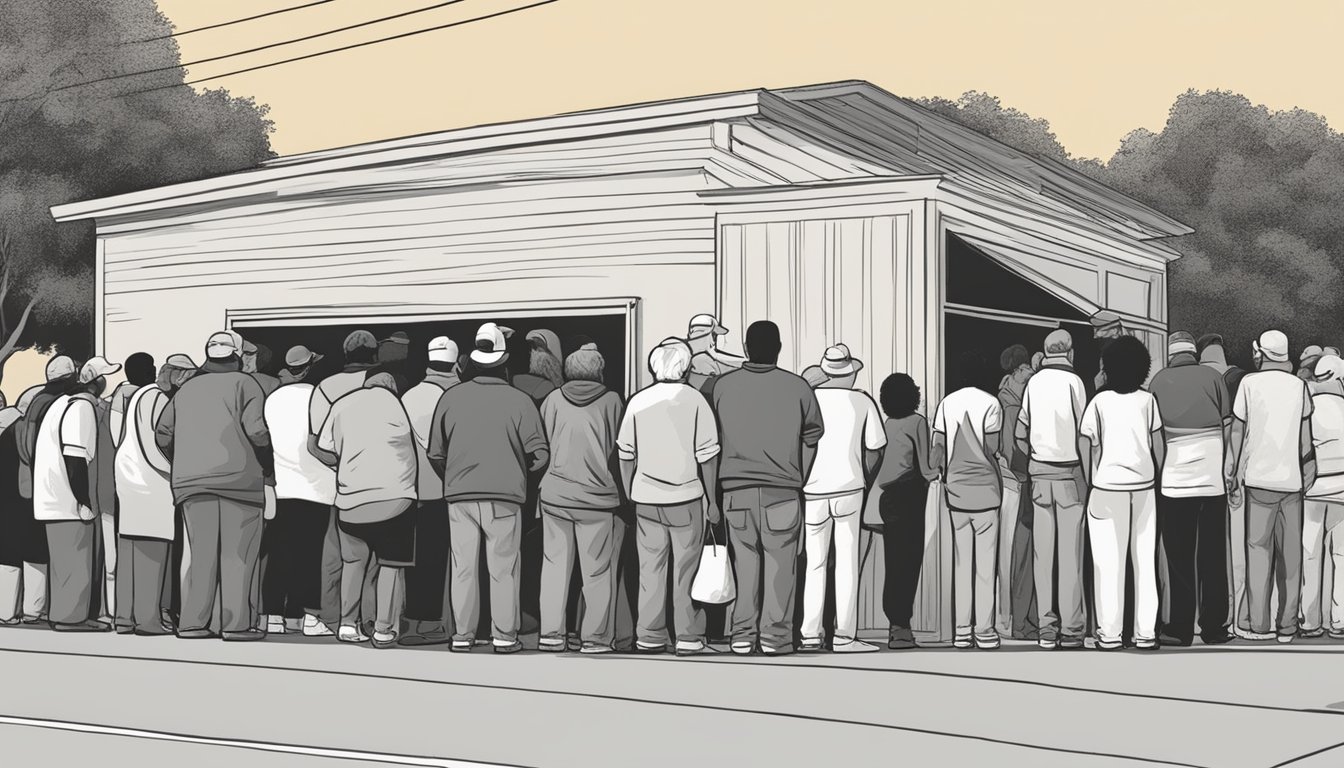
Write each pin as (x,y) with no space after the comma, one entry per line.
(841,212)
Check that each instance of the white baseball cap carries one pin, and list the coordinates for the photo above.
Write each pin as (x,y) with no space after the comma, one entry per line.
(97,368)
(222,344)
(491,345)
(59,367)
(443,350)
(1273,346)
(704,325)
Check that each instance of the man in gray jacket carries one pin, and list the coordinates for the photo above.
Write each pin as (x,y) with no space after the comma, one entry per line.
(214,433)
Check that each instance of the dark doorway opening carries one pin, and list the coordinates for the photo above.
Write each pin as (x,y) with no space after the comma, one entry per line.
(607,331)
(991,337)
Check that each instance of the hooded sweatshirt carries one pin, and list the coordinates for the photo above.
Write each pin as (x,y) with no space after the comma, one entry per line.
(581,420)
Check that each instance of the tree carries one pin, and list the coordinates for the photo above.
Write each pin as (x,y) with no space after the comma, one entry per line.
(1262,189)
(63,140)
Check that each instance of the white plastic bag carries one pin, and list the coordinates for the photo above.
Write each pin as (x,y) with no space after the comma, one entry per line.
(714,583)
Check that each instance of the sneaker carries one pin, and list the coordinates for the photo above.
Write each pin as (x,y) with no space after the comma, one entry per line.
(1216,638)
(83,626)
(812,645)
(1312,633)
(1110,645)
(314,627)
(151,632)
(572,643)
(694,648)
(1246,634)
(507,648)
(900,638)
(743,647)
(293,626)
(384,639)
(1147,645)
(461,646)
(1173,641)
(195,634)
(1336,634)
(1286,638)
(275,625)
(987,643)
(1070,643)
(650,649)
(246,636)
(596,649)
(963,642)
(853,646)
(777,650)
(1048,643)
(351,634)
(552,644)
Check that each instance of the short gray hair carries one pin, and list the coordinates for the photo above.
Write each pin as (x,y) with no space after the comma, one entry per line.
(670,360)
(585,364)
(1058,343)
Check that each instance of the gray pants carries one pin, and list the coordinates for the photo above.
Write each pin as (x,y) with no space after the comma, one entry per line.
(1273,556)
(225,540)
(72,545)
(586,536)
(1059,535)
(142,564)
(975,549)
(362,576)
(764,527)
(500,525)
(670,537)
(329,607)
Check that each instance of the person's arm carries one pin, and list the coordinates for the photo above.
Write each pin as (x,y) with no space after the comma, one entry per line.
(1090,459)
(938,454)
(319,408)
(1089,428)
(1022,433)
(1237,437)
(326,447)
(152,453)
(874,440)
(813,428)
(923,452)
(709,478)
(1159,452)
(79,439)
(534,438)
(994,421)
(437,453)
(1307,448)
(253,419)
(164,428)
(707,449)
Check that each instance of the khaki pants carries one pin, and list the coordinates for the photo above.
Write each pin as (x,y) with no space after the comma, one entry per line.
(1322,539)
(499,525)
(975,545)
(1273,556)
(1059,538)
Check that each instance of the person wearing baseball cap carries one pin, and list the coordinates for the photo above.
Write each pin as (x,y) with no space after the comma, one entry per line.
(494,429)
(292,542)
(214,431)
(428,578)
(1272,411)
(1323,508)
(1015,588)
(393,352)
(1306,367)
(1192,499)
(93,381)
(708,362)
(257,362)
(848,453)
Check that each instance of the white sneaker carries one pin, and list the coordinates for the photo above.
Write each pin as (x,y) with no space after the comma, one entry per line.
(743,647)
(694,648)
(1287,638)
(312,627)
(963,642)
(853,646)
(552,644)
(987,643)
(1047,644)
(349,634)
(811,645)
(275,625)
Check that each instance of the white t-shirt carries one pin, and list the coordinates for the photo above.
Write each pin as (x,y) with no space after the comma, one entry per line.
(964,418)
(1327,433)
(69,428)
(853,424)
(668,430)
(1121,428)
(298,473)
(1052,407)
(1273,405)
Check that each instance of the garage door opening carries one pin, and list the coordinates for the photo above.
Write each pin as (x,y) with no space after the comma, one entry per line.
(607,331)
(990,308)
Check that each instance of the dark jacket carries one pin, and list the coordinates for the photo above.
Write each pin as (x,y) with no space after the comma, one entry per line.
(581,420)
(213,431)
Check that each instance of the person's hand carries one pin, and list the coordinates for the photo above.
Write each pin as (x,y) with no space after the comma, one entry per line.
(712,512)
(268,508)
(85,513)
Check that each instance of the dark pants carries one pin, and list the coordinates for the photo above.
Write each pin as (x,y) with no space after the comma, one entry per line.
(225,540)
(764,526)
(902,509)
(70,575)
(1194,536)
(141,564)
(291,546)
(172,578)
(427,580)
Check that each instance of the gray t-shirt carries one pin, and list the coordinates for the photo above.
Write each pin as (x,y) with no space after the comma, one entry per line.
(482,432)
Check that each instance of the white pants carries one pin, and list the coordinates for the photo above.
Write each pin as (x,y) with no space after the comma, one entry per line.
(108,531)
(1120,525)
(23,592)
(1321,534)
(830,517)
(11,593)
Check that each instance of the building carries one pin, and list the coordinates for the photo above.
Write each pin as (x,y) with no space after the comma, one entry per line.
(841,212)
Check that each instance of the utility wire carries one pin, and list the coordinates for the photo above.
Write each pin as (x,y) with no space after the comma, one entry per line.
(236,21)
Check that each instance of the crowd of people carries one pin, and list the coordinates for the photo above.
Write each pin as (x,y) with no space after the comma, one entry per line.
(219,501)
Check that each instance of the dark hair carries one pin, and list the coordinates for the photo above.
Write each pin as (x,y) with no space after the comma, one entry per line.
(1208,340)
(974,369)
(899,395)
(763,344)
(1014,357)
(362,355)
(264,358)
(441,366)
(1126,362)
(140,369)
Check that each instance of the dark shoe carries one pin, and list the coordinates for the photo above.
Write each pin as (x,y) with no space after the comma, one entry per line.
(245,636)
(125,630)
(83,626)
(1219,638)
(195,634)
(513,647)
(461,646)
(1173,641)
(1071,643)
(149,632)
(900,639)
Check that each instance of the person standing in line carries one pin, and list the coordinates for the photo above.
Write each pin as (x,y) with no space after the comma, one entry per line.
(140,372)
(1273,454)
(256,361)
(1196,413)
(708,362)
(93,379)
(545,373)
(770,425)
(427,580)
(361,355)
(897,504)
(305,492)
(668,445)
(393,353)
(1323,509)
(213,432)
(1306,367)
(846,461)
(368,439)
(1047,433)
(1016,591)
(1212,354)
(966,427)
(1106,328)
(12,521)
(579,497)
(481,436)
(64,486)
(29,534)
(1122,447)
(145,509)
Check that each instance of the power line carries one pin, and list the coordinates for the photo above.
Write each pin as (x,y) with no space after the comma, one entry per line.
(237,21)
(261,48)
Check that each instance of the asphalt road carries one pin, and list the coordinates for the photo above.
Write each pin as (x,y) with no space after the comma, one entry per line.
(114,700)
